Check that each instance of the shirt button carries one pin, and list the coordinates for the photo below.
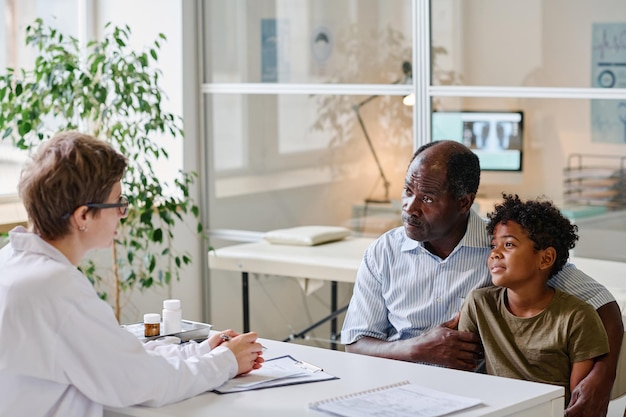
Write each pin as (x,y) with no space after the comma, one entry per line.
(438,299)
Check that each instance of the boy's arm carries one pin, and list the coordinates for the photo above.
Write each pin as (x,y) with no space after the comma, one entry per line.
(467,316)
(579,371)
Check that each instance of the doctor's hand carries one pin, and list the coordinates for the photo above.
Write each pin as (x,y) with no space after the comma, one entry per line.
(446,346)
(218,338)
(246,349)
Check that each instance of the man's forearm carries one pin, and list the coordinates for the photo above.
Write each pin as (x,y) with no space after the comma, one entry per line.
(375,347)
(442,345)
(611,317)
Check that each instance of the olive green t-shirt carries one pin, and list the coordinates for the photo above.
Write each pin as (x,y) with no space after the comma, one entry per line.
(541,348)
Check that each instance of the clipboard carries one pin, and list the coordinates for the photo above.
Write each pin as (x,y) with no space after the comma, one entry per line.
(276,372)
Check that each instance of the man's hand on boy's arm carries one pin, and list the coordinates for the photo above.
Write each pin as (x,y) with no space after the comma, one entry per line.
(443,345)
(591,395)
(579,371)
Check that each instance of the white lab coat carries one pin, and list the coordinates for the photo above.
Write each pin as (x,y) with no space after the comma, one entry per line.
(62,352)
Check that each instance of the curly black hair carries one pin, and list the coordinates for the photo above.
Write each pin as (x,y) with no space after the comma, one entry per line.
(463,168)
(543,222)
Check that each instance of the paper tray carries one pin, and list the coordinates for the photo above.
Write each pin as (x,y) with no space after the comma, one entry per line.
(192,330)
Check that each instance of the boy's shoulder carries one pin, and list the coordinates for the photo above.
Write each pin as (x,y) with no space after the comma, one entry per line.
(486,291)
(571,301)
(485,294)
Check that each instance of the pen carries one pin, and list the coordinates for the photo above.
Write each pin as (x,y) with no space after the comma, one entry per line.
(226,338)
(308,366)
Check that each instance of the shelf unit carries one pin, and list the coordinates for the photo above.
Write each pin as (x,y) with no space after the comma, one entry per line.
(595,180)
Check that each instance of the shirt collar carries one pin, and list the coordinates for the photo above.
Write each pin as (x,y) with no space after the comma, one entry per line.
(476,234)
(24,241)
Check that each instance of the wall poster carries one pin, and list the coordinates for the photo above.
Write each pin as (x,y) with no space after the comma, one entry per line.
(275,64)
(608,55)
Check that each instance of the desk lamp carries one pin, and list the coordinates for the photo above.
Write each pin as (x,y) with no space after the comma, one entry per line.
(408,75)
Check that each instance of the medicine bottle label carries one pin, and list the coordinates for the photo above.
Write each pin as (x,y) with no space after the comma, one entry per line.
(152,329)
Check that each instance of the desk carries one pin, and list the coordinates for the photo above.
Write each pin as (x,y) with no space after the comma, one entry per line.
(335,261)
(500,396)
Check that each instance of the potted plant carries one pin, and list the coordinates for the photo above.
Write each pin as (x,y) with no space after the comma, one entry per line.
(112,92)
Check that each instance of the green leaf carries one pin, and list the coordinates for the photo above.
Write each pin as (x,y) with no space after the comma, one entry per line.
(152,263)
(157,235)
(23,127)
(7,132)
(21,144)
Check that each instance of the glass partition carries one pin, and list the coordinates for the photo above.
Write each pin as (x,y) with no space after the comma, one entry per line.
(536,43)
(294,141)
(308,41)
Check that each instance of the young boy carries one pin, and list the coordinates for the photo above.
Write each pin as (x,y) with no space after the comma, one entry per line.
(530,330)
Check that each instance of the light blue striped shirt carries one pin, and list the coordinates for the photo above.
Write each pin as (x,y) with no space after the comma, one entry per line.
(402,290)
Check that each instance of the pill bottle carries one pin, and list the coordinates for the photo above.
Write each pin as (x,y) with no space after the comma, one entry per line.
(151,324)
(172,317)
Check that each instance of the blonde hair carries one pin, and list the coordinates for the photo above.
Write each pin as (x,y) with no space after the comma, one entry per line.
(67,171)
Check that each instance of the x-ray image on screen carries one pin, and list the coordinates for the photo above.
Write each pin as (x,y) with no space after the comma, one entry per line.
(491,135)
(496,137)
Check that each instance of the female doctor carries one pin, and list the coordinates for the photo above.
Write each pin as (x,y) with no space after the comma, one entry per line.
(62,352)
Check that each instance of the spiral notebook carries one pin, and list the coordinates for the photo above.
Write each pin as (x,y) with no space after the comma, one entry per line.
(399,400)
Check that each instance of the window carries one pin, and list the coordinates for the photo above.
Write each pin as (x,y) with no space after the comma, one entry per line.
(14,17)
(83,19)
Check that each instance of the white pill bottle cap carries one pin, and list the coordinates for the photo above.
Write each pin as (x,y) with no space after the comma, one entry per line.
(152,318)
(171,304)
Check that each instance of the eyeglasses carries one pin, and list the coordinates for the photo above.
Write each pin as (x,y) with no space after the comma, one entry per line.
(121,205)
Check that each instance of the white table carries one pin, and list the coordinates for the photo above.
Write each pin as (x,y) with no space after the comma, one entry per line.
(500,396)
(335,262)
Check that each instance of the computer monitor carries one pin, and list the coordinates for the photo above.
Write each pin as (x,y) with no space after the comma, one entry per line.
(495,136)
